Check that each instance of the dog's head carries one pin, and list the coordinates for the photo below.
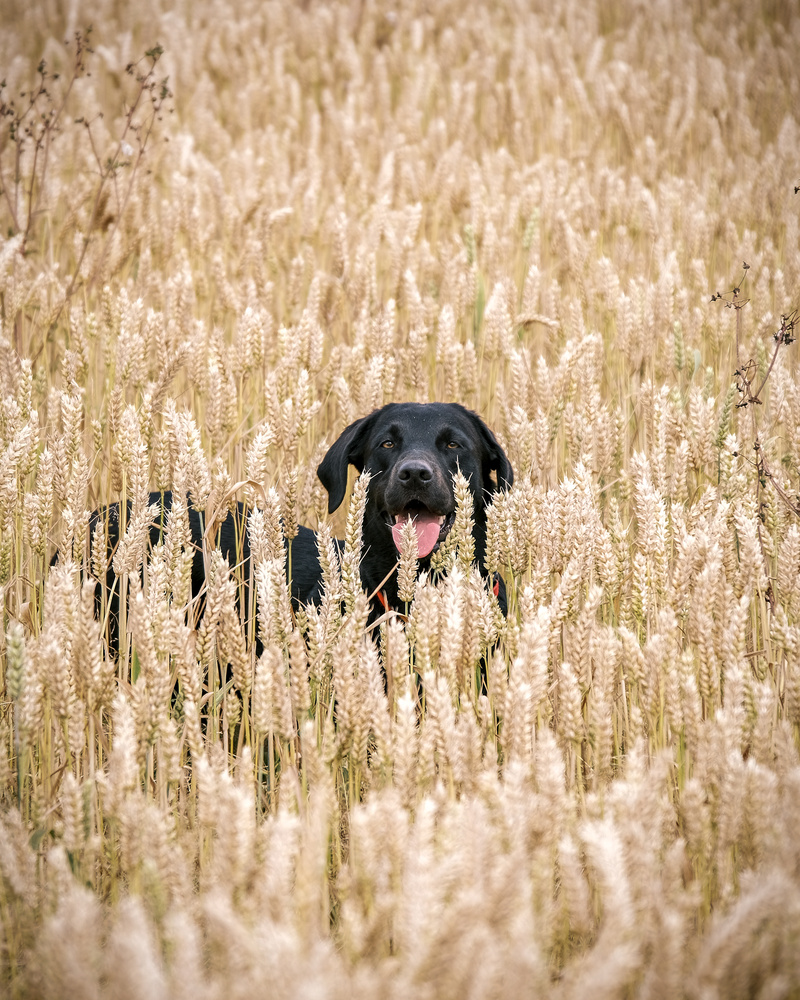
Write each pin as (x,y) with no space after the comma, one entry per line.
(412,451)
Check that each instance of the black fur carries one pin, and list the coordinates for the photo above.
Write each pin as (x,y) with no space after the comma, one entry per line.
(429,442)
(412,451)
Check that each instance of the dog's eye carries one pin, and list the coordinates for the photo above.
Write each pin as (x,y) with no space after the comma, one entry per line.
(453,444)
(387,444)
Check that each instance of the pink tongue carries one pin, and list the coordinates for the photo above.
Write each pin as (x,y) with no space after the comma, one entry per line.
(426,526)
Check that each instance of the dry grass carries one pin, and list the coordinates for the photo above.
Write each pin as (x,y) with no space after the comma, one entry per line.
(525,211)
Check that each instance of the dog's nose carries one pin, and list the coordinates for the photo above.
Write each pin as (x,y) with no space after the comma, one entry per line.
(414,472)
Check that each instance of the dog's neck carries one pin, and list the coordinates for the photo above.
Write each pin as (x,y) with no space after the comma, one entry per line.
(379,565)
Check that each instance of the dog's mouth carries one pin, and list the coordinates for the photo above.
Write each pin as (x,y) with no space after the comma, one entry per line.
(431,528)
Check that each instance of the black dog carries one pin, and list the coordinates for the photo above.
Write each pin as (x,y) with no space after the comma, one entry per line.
(412,451)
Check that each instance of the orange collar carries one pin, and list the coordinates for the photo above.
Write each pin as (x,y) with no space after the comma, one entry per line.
(381,595)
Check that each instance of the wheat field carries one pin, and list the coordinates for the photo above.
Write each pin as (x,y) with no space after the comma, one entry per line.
(229,228)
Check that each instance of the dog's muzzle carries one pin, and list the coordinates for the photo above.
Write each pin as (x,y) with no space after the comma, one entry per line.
(431,529)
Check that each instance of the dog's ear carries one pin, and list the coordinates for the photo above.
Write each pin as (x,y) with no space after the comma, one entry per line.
(347,449)
(496,459)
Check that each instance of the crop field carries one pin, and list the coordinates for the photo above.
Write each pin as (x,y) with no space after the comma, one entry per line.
(228,228)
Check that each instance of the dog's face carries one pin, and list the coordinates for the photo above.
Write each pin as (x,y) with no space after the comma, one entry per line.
(412,451)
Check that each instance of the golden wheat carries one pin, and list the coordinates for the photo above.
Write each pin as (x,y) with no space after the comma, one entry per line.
(283,216)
